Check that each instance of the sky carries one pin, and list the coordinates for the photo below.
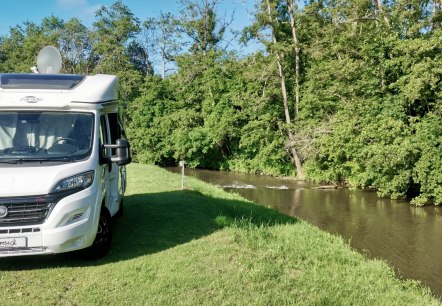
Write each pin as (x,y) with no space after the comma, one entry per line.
(18,11)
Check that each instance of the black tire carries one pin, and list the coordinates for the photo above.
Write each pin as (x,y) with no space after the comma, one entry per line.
(103,239)
(120,211)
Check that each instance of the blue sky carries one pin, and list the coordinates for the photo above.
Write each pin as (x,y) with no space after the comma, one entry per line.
(18,11)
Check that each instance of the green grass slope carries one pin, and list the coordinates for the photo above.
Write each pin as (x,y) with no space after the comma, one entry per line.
(203,246)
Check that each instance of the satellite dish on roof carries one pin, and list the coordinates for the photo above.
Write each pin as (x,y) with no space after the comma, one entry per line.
(49,60)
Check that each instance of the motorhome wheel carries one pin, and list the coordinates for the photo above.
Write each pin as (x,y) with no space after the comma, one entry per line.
(103,239)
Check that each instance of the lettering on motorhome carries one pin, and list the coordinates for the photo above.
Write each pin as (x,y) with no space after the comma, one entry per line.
(10,243)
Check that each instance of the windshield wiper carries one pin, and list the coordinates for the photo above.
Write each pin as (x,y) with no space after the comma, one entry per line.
(67,159)
(21,160)
(10,160)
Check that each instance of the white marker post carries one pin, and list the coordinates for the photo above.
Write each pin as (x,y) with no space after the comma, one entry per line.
(182,173)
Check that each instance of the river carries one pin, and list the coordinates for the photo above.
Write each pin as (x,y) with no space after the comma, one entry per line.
(405,236)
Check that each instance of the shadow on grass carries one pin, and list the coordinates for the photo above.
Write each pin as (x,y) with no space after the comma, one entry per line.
(154,222)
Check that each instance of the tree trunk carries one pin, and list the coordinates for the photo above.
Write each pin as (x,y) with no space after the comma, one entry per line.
(294,153)
(435,12)
(297,51)
(379,9)
(163,58)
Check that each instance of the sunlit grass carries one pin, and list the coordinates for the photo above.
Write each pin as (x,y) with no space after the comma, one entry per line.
(205,246)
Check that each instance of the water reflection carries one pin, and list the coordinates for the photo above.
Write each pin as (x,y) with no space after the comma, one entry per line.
(405,236)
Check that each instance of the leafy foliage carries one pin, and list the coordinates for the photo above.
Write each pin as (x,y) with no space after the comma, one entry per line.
(365,75)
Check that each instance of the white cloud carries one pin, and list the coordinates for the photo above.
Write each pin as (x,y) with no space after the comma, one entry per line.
(78,7)
(68,4)
(91,10)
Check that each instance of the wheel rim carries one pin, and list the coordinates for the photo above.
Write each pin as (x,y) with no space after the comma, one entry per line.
(103,231)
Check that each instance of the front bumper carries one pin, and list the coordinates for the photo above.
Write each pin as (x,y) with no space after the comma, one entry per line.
(71,224)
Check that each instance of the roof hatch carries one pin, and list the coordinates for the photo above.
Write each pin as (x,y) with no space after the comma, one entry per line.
(40,81)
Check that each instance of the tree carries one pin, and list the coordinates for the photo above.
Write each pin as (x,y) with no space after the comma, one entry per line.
(346,91)
(115,28)
(139,58)
(199,21)
(269,17)
(161,36)
(291,12)
(21,47)
(76,48)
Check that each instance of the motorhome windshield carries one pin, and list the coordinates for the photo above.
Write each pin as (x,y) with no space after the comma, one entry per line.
(45,136)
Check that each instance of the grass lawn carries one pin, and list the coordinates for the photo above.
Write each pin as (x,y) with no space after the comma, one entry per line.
(204,246)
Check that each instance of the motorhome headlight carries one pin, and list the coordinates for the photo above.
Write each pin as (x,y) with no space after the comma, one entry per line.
(79,181)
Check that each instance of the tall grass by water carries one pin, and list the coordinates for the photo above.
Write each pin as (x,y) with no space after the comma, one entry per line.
(203,246)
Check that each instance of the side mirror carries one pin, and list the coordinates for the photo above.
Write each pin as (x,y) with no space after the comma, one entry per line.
(122,152)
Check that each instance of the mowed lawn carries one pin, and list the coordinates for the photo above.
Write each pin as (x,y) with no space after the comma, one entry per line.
(203,246)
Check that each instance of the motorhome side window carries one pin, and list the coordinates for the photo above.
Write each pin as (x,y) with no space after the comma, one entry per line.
(114,131)
(114,127)
(104,137)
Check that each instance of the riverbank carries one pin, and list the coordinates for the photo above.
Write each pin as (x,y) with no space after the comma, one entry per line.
(205,246)
(405,236)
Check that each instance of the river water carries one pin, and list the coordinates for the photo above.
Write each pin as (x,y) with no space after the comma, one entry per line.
(407,237)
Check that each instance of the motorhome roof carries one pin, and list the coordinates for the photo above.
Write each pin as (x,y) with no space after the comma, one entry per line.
(56,90)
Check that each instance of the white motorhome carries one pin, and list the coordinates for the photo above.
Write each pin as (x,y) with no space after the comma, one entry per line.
(62,157)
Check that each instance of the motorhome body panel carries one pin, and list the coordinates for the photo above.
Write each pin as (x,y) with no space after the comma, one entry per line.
(36,215)
(92,89)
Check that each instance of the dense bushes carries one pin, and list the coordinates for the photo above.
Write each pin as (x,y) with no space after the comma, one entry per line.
(369,111)
(368,79)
